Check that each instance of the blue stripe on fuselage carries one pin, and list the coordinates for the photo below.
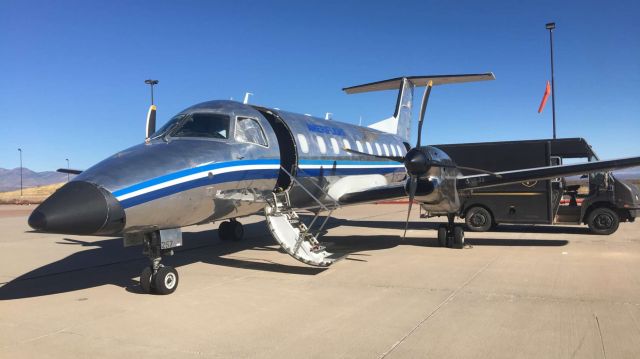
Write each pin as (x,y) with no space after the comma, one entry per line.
(328,168)
(205,181)
(190,171)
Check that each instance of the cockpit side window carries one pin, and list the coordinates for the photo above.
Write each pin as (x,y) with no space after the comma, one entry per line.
(204,125)
(249,130)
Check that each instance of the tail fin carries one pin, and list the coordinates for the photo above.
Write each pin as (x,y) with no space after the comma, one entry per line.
(400,123)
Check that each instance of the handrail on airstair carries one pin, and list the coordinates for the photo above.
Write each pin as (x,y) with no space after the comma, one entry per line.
(321,205)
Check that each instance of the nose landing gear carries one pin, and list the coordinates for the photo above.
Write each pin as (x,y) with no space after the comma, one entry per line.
(451,235)
(156,277)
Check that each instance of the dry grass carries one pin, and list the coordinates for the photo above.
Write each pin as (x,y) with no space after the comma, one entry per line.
(29,195)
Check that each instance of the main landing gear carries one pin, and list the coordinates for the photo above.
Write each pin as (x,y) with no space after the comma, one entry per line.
(157,278)
(231,230)
(451,235)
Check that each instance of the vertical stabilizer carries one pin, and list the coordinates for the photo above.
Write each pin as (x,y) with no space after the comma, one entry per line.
(400,123)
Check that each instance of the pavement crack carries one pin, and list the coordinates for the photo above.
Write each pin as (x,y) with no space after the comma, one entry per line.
(437,308)
(604,353)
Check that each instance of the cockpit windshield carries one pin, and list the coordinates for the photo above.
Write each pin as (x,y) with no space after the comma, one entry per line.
(201,125)
(167,126)
(208,125)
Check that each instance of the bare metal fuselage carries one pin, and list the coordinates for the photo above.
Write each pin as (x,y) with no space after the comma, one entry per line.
(174,182)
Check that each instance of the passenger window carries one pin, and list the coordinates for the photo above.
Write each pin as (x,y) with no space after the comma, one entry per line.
(346,143)
(334,144)
(393,150)
(369,149)
(386,149)
(321,144)
(399,150)
(249,130)
(378,149)
(304,145)
(204,125)
(359,145)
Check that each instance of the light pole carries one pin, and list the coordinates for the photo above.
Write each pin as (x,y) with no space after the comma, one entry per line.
(20,150)
(66,159)
(550,26)
(151,83)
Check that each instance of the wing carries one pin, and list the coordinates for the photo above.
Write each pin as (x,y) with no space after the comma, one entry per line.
(69,171)
(374,194)
(543,173)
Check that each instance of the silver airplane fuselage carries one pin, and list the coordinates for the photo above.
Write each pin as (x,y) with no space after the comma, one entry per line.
(174,181)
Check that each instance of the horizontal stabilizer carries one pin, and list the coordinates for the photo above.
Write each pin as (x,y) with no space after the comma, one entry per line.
(69,171)
(543,173)
(394,84)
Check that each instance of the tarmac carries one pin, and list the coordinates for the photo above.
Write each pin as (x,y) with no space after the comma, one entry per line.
(519,292)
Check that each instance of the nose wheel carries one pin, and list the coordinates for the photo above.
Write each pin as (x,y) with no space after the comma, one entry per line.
(156,277)
(451,235)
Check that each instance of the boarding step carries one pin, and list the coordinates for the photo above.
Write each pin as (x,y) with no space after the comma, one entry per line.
(297,241)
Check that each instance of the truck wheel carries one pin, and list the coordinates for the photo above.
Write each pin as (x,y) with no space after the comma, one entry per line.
(478,219)
(603,221)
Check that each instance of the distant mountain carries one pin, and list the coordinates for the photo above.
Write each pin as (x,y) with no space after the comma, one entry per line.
(10,179)
(628,174)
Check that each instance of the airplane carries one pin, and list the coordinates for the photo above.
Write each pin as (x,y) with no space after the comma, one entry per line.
(218,161)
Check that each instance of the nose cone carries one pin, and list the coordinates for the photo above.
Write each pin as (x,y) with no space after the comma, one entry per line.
(79,207)
(416,162)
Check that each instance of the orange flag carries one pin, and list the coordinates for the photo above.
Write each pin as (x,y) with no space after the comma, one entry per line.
(547,91)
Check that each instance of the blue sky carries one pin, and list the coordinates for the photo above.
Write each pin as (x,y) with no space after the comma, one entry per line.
(73,71)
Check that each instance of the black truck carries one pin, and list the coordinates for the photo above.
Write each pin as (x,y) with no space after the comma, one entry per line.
(607,201)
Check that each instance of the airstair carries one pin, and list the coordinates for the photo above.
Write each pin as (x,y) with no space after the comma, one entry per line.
(297,238)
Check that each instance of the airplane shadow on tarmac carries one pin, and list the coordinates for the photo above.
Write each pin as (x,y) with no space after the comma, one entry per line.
(106,261)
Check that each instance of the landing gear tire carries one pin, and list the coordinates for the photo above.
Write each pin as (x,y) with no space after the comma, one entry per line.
(603,221)
(223,231)
(237,231)
(478,219)
(442,236)
(165,280)
(458,237)
(146,279)
(231,231)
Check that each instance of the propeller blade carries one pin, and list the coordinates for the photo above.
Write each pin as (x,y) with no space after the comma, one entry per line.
(471,169)
(413,185)
(151,121)
(423,109)
(392,158)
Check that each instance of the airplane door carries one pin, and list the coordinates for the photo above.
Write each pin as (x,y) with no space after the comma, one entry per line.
(287,146)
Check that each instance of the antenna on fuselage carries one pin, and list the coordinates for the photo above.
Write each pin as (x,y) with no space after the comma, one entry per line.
(327,116)
(246,97)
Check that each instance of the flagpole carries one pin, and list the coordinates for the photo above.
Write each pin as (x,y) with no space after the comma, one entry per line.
(550,26)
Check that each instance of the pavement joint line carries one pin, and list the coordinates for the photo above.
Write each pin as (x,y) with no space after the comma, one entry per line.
(437,308)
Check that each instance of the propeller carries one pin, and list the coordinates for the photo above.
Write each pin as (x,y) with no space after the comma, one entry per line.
(416,161)
(151,121)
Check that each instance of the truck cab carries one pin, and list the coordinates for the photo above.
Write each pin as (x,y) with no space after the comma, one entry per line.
(599,200)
